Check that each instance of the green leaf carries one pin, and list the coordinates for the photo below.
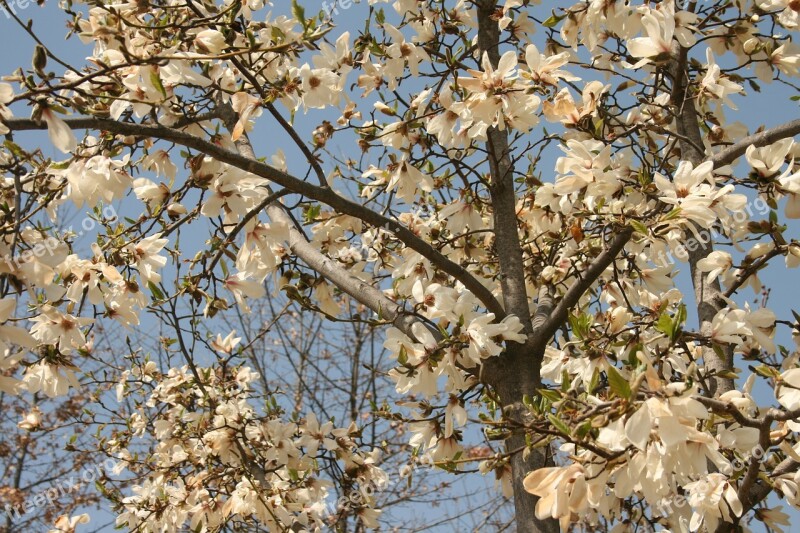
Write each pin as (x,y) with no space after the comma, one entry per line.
(584,429)
(765,371)
(664,325)
(402,356)
(680,316)
(156,81)
(558,424)
(311,213)
(639,227)
(553,20)
(619,385)
(549,394)
(157,294)
(580,325)
(299,13)
(598,128)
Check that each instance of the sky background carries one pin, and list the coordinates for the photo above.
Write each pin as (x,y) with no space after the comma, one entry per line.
(49,23)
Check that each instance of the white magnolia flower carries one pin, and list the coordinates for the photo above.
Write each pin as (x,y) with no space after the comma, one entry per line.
(715,263)
(145,254)
(62,330)
(60,133)
(210,42)
(712,499)
(67,524)
(691,190)
(226,345)
(52,380)
(767,160)
(715,85)
(660,30)
(789,13)
(561,491)
(788,390)
(546,69)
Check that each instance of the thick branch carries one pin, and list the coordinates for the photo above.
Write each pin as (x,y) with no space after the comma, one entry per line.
(504,200)
(707,294)
(298,186)
(772,135)
(516,372)
(359,290)
(573,295)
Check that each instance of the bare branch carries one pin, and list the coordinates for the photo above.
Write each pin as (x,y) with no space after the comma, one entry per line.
(729,154)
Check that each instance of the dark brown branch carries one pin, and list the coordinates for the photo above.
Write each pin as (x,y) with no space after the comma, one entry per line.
(296,185)
(573,295)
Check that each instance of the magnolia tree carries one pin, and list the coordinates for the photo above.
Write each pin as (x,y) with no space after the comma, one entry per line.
(511,189)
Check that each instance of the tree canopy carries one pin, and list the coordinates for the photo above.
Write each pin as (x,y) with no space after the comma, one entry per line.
(538,212)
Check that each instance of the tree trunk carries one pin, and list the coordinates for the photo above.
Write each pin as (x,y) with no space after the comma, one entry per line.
(515,373)
(707,294)
(519,378)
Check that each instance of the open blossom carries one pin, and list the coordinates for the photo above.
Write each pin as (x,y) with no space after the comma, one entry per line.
(161,162)
(691,190)
(69,524)
(52,380)
(402,53)
(145,254)
(585,163)
(546,69)
(768,160)
(454,416)
(788,394)
(226,345)
(405,178)
(715,264)
(729,326)
(789,12)
(659,30)
(716,85)
(246,106)
(773,518)
(712,499)
(151,193)
(561,490)
(496,98)
(564,109)
(321,87)
(62,330)
(242,288)
(482,331)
